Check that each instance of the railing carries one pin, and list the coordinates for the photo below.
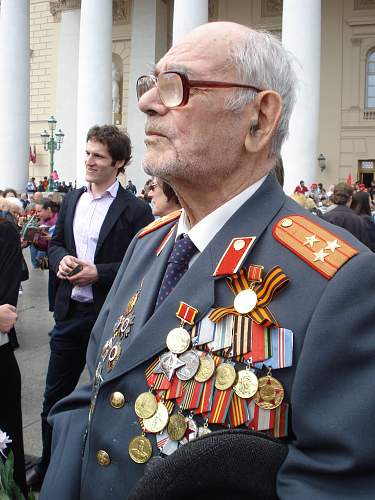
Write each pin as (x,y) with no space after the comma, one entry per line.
(369,114)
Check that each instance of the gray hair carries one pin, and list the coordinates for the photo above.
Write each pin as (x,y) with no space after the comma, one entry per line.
(262,61)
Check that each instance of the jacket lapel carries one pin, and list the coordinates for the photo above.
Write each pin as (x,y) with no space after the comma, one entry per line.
(70,215)
(197,286)
(118,205)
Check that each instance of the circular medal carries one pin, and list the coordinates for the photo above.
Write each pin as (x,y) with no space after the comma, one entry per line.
(246,385)
(157,422)
(140,449)
(225,376)
(192,431)
(270,393)
(203,431)
(113,356)
(178,340)
(206,369)
(245,301)
(145,405)
(191,360)
(177,426)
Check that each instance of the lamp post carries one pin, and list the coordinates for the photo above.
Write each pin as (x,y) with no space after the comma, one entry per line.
(51,143)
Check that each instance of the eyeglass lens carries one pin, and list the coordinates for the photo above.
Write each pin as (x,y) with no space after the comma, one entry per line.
(170,87)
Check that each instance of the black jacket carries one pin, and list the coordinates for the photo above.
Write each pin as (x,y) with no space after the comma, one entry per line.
(10,263)
(125,217)
(345,217)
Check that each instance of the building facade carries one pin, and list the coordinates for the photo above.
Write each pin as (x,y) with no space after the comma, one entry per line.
(85,57)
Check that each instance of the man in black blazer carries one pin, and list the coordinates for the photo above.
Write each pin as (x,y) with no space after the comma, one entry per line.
(95,226)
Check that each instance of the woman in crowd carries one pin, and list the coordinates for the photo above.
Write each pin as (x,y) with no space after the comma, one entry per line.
(163,199)
(10,378)
(361,206)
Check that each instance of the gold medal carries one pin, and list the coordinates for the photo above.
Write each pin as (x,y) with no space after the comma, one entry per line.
(246,385)
(245,301)
(145,405)
(225,376)
(178,340)
(140,449)
(157,422)
(270,393)
(206,369)
(177,426)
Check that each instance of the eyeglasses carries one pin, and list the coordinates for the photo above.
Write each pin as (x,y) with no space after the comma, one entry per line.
(174,87)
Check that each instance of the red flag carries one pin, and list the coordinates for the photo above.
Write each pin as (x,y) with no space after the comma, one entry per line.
(349,179)
(34,154)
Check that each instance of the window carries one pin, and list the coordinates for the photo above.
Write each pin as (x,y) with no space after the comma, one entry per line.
(370,80)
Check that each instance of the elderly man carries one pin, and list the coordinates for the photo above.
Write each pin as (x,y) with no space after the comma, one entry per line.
(229,315)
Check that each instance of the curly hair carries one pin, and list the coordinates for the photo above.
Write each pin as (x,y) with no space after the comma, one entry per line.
(116,140)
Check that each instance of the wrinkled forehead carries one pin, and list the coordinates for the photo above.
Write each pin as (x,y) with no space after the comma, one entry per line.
(199,57)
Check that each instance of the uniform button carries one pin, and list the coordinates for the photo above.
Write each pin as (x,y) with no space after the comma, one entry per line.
(117,399)
(103,458)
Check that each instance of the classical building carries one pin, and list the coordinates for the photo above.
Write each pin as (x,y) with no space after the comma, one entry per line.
(83,57)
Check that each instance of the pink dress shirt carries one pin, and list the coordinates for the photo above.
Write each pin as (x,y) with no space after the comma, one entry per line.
(88,219)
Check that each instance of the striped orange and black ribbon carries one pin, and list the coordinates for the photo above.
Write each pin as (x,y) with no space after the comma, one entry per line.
(274,281)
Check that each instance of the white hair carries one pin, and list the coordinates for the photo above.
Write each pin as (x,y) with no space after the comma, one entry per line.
(15,202)
(262,61)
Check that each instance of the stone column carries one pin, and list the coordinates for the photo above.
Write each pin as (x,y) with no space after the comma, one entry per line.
(14,93)
(94,96)
(66,91)
(149,42)
(300,152)
(187,15)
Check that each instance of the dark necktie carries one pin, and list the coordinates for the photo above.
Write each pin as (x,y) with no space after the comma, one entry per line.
(178,264)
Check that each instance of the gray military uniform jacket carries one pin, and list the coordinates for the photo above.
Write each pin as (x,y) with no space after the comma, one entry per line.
(330,386)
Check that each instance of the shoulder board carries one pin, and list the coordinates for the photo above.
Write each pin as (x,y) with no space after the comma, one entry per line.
(156,224)
(318,247)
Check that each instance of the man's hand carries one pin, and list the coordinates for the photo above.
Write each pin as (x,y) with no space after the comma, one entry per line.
(87,276)
(8,317)
(67,264)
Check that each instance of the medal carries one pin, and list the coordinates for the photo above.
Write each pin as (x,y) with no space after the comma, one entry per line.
(177,426)
(168,364)
(225,376)
(191,360)
(158,421)
(191,431)
(206,369)
(246,385)
(145,405)
(270,393)
(245,301)
(178,340)
(113,356)
(204,430)
(140,449)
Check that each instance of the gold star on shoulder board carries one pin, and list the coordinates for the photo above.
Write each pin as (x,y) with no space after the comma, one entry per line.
(321,255)
(310,240)
(332,245)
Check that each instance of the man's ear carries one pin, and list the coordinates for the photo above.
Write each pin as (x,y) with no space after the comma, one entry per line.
(264,118)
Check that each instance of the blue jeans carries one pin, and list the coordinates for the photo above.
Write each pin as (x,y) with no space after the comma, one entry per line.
(69,339)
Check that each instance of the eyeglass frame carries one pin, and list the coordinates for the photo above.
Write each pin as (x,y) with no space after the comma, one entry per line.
(187,84)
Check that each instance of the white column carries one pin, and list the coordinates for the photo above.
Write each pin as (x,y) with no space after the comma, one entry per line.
(14,93)
(300,152)
(187,15)
(94,97)
(142,57)
(66,93)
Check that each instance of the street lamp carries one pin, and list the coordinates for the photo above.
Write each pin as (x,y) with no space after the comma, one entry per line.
(322,161)
(52,142)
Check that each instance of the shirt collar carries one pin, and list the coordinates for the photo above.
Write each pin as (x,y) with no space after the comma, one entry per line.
(111,190)
(203,232)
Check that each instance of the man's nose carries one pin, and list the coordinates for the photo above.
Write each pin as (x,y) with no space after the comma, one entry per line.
(150,103)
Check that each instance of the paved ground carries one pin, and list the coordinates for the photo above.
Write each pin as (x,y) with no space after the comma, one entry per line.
(33,325)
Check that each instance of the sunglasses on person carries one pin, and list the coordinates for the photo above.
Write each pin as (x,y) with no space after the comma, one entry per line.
(174,87)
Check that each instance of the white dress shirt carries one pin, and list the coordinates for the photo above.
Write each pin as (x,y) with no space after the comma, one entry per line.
(207,228)
(88,220)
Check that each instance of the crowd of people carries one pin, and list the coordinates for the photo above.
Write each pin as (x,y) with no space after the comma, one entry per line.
(177,302)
